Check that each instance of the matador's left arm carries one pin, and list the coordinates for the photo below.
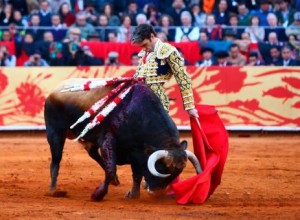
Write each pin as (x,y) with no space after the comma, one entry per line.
(183,80)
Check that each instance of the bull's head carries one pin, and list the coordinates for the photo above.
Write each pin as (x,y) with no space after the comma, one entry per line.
(166,165)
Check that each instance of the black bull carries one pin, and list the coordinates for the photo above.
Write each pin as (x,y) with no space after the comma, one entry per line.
(138,132)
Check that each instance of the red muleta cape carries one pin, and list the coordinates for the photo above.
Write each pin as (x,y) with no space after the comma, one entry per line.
(210,142)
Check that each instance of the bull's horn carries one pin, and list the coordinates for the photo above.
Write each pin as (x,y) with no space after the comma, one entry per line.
(191,156)
(152,160)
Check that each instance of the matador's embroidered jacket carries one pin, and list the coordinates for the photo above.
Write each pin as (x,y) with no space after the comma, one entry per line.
(158,67)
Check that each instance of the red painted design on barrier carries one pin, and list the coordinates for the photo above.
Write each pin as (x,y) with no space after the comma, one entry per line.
(234,75)
(252,104)
(83,68)
(292,81)
(296,105)
(129,73)
(280,92)
(31,98)
(278,71)
(3,82)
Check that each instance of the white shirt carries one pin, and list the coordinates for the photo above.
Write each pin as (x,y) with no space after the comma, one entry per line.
(286,62)
(206,63)
(192,35)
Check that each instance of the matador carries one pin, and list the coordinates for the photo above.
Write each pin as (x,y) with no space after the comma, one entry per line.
(158,63)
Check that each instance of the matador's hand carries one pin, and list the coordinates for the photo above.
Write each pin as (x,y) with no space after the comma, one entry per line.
(193,113)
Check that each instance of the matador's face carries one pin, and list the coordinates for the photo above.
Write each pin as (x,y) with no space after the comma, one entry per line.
(148,44)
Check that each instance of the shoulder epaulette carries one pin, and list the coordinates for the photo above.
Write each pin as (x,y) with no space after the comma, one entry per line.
(164,50)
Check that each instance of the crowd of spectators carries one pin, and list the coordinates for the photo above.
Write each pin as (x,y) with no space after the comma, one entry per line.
(229,32)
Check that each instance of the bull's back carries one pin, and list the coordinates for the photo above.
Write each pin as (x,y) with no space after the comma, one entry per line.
(80,99)
(62,109)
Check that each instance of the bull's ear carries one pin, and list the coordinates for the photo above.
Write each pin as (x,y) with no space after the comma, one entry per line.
(184,144)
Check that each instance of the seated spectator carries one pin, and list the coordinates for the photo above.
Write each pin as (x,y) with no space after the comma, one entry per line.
(229,35)
(199,17)
(6,36)
(285,14)
(6,59)
(51,50)
(273,27)
(207,54)
(102,27)
(254,59)
(235,57)
(132,10)
(124,31)
(56,5)
(294,43)
(94,37)
(45,13)
(222,57)
(91,13)
(18,19)
(165,24)
(233,27)
(17,37)
(134,59)
(264,47)
(152,14)
(287,60)
(21,6)
(203,39)
(58,30)
(36,60)
(83,25)
(294,28)
(273,39)
(113,59)
(222,14)
(243,14)
(141,19)
(84,57)
(243,43)
(74,36)
(274,58)
(66,16)
(263,12)
(213,32)
(7,17)
(186,29)
(24,49)
(34,27)
(112,37)
(256,33)
(113,20)
(33,7)
(71,46)
(175,11)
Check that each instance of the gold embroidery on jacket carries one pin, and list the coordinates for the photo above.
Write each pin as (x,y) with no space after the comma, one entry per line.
(166,53)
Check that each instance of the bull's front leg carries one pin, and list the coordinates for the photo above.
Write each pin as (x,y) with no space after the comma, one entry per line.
(93,152)
(137,175)
(134,193)
(109,166)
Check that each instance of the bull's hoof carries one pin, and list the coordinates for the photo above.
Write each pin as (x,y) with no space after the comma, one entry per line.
(98,193)
(115,181)
(132,195)
(57,193)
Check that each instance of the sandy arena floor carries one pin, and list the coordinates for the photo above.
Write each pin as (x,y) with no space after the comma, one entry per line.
(261,181)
